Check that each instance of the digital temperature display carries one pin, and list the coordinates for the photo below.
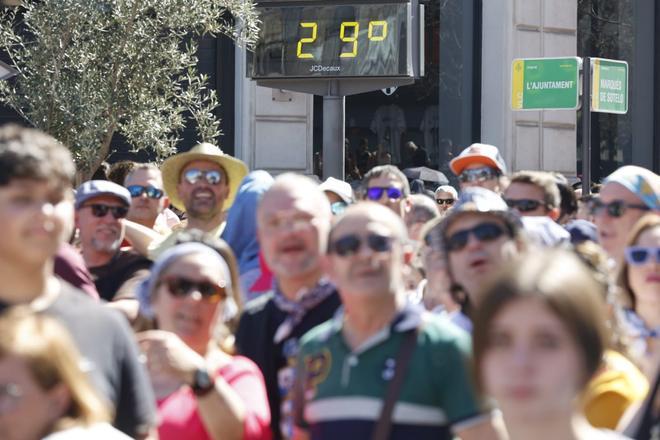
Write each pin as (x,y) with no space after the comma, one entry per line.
(334,41)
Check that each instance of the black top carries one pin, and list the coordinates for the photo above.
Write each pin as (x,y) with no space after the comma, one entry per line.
(254,339)
(119,278)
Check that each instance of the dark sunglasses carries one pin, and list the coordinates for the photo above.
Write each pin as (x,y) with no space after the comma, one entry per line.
(101,211)
(213,177)
(376,192)
(181,287)
(151,191)
(477,174)
(445,201)
(524,205)
(638,255)
(351,243)
(614,209)
(483,232)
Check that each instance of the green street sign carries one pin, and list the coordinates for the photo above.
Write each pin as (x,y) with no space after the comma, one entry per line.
(609,86)
(545,83)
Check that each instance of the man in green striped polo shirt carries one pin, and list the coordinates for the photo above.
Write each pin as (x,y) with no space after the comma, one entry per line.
(346,364)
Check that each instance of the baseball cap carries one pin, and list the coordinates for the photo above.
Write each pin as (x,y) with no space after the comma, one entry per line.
(95,188)
(485,154)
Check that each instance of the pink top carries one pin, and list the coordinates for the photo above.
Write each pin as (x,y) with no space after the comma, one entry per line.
(178,414)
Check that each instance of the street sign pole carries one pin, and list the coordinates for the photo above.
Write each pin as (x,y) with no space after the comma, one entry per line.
(334,108)
(586,126)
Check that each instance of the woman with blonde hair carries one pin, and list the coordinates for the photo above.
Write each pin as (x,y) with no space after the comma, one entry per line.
(639,284)
(202,390)
(43,391)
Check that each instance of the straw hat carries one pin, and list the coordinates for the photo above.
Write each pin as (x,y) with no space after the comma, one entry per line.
(171,170)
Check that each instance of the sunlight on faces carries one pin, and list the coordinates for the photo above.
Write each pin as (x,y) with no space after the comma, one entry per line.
(644,279)
(520,191)
(532,366)
(293,223)
(144,210)
(367,271)
(202,200)
(190,317)
(613,232)
(27,411)
(35,216)
(473,264)
(399,206)
(491,184)
(100,234)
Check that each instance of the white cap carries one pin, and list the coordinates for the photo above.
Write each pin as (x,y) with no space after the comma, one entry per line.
(339,187)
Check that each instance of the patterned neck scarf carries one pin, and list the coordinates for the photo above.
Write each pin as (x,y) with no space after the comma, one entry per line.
(296,310)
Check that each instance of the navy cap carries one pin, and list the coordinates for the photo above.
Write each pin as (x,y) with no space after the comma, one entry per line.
(96,188)
(582,230)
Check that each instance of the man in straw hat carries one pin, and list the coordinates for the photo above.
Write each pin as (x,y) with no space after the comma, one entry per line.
(203,183)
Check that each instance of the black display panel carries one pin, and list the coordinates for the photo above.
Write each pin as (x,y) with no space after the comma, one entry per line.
(359,40)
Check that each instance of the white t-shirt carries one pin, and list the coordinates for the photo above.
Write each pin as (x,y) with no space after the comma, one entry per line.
(98,431)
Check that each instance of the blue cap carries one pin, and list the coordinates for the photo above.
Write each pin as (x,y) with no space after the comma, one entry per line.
(582,230)
(96,188)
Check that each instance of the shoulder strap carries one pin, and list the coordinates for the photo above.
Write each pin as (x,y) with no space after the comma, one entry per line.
(384,424)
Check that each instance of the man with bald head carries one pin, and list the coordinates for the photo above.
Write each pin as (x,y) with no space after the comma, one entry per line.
(293,220)
(346,365)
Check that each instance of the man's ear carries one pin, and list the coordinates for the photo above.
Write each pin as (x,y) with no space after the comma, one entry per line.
(165,201)
(76,219)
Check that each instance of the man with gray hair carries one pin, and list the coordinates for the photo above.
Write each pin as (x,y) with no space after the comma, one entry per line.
(293,220)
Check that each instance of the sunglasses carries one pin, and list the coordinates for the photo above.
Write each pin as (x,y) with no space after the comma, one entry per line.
(338,207)
(445,201)
(482,232)
(614,209)
(524,205)
(180,287)
(477,175)
(193,175)
(101,211)
(151,191)
(350,244)
(638,255)
(376,192)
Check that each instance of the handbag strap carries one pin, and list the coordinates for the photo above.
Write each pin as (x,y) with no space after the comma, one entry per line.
(384,424)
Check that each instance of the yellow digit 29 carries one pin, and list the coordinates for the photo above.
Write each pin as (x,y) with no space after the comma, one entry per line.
(353,39)
(299,52)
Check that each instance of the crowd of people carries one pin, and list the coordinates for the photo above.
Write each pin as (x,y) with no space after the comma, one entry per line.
(198,299)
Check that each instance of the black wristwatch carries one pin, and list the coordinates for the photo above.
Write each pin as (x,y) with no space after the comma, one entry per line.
(203,383)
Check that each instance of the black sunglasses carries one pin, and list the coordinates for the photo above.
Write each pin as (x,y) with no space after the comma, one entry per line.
(181,287)
(351,243)
(477,174)
(638,255)
(100,211)
(445,201)
(376,192)
(524,205)
(614,209)
(483,232)
(193,175)
(151,191)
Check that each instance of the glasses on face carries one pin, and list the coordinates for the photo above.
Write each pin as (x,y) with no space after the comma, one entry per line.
(638,255)
(447,202)
(151,191)
(524,205)
(614,209)
(180,287)
(338,207)
(477,175)
(351,243)
(376,192)
(482,232)
(100,211)
(213,177)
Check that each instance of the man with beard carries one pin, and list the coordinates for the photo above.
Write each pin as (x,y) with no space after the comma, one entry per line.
(293,220)
(100,207)
(348,364)
(202,182)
